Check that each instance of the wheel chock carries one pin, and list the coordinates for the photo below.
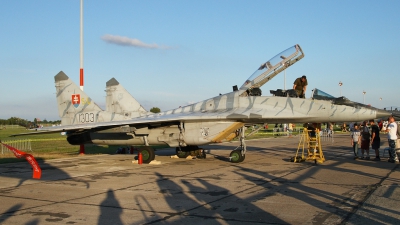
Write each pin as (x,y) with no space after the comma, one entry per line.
(154,162)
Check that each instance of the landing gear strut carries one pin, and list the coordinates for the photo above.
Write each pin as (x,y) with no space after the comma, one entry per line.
(239,154)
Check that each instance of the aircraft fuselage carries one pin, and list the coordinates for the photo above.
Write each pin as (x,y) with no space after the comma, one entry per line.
(225,114)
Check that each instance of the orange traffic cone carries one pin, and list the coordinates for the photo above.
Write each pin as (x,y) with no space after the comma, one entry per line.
(140,158)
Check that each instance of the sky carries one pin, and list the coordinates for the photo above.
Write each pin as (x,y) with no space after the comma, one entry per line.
(173,53)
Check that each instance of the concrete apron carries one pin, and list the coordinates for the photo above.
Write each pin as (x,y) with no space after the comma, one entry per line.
(265,188)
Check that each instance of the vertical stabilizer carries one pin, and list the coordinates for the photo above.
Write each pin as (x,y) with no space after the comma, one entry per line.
(118,100)
(75,106)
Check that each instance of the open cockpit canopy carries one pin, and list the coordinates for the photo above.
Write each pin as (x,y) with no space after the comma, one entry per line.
(271,68)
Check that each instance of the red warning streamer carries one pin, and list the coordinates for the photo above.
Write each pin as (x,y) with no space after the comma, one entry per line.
(37,172)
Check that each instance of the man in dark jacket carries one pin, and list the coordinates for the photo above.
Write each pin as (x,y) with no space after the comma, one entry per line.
(375,139)
(300,85)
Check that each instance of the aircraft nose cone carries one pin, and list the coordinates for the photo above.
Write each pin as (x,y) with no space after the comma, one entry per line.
(382,113)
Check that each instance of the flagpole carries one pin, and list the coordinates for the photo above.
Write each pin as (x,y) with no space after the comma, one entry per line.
(81,49)
(82,146)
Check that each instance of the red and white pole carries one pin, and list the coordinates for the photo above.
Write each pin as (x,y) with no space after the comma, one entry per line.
(81,49)
(82,147)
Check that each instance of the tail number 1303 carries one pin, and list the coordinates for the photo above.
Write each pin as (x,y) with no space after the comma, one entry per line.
(86,117)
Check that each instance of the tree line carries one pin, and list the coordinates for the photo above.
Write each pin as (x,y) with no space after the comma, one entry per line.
(35,122)
(26,123)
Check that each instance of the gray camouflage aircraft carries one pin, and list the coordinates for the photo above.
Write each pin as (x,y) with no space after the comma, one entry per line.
(217,119)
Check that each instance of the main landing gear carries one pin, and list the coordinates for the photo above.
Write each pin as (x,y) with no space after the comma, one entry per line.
(239,154)
(192,150)
(148,154)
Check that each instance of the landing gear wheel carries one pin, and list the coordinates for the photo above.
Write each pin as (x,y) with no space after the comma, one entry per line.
(199,153)
(182,154)
(147,154)
(236,156)
(203,154)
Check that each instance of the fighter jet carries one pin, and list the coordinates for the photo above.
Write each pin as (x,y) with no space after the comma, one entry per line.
(212,120)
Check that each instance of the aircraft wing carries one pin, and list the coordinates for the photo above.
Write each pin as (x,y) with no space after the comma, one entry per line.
(155,120)
(36,132)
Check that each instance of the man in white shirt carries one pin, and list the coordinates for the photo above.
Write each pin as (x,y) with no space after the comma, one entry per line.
(392,137)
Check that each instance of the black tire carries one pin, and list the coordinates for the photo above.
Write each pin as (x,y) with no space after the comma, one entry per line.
(236,156)
(182,154)
(200,153)
(203,154)
(243,158)
(147,154)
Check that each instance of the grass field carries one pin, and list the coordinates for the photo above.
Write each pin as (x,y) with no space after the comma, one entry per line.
(48,146)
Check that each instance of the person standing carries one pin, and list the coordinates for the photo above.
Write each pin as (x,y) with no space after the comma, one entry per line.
(290,129)
(311,130)
(365,139)
(330,130)
(392,138)
(380,124)
(344,128)
(355,140)
(375,139)
(300,86)
(351,126)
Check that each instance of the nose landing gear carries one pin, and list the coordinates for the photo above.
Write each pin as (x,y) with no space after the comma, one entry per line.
(239,154)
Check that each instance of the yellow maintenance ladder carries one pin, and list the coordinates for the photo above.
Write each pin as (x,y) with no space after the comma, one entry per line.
(313,145)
